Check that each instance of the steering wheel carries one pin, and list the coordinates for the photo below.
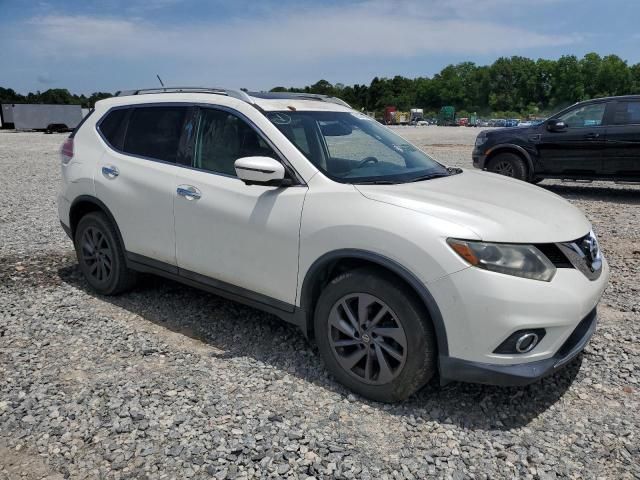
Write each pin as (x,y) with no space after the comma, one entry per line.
(364,161)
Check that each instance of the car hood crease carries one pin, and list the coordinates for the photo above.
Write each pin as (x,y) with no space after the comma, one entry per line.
(496,208)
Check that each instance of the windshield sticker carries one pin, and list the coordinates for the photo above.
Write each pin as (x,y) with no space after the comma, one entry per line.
(404,148)
(280,118)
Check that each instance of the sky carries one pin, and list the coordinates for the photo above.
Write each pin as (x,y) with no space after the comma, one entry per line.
(110,45)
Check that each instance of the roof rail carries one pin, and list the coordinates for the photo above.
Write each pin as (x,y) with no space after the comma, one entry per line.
(239,94)
(300,96)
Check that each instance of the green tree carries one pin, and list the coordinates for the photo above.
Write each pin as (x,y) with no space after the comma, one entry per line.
(614,77)
(590,67)
(9,95)
(635,78)
(567,81)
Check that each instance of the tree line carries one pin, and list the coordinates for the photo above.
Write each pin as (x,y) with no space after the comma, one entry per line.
(56,96)
(509,87)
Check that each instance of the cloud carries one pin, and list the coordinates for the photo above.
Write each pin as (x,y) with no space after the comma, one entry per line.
(45,79)
(262,44)
(370,29)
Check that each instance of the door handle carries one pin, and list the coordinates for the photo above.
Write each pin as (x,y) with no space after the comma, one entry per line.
(110,171)
(189,192)
(592,136)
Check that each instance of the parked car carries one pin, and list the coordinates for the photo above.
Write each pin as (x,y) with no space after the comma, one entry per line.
(397,266)
(592,140)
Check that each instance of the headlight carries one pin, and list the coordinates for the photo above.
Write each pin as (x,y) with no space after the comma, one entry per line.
(480,139)
(524,261)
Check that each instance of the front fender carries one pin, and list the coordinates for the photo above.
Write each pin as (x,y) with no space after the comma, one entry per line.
(506,147)
(312,276)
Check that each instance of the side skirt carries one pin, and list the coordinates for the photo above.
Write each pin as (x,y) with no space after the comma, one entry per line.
(287,312)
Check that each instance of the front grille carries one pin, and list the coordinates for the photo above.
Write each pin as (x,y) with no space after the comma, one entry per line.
(554,254)
(584,254)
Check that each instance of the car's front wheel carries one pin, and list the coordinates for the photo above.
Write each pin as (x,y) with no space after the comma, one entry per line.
(375,335)
(509,165)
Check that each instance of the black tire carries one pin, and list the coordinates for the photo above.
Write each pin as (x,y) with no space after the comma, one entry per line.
(101,256)
(509,165)
(537,180)
(399,378)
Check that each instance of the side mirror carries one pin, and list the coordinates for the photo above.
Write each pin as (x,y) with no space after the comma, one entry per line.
(260,171)
(554,125)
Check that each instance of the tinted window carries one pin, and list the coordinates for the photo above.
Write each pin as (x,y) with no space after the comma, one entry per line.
(154,132)
(222,138)
(112,127)
(585,116)
(627,113)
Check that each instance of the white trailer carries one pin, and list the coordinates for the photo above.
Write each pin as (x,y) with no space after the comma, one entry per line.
(417,114)
(26,116)
(6,115)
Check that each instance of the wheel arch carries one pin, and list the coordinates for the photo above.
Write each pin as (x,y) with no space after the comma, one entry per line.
(332,263)
(85,204)
(511,148)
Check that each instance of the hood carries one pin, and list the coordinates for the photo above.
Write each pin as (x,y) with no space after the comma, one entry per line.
(509,130)
(496,208)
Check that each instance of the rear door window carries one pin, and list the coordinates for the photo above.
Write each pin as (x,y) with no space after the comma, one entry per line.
(154,132)
(627,113)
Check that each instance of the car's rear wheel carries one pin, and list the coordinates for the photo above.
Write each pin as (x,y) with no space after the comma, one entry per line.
(375,335)
(509,165)
(100,255)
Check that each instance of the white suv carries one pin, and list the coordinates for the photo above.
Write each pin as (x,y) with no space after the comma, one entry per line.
(396,265)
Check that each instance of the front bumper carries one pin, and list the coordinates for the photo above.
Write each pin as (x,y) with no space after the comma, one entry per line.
(479,159)
(523,373)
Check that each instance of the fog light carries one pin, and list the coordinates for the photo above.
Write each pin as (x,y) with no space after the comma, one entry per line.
(527,342)
(522,341)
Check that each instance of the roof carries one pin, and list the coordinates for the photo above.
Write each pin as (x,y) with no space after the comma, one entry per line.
(268,101)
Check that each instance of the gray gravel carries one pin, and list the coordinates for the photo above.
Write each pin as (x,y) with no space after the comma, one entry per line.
(170,382)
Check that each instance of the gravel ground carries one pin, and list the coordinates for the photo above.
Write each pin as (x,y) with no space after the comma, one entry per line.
(170,382)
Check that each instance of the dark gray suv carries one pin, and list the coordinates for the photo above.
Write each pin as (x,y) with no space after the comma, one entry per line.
(592,140)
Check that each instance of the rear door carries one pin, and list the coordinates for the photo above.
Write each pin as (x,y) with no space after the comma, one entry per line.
(578,150)
(135,177)
(623,140)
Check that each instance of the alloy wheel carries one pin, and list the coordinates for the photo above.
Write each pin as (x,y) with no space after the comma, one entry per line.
(504,168)
(367,338)
(97,255)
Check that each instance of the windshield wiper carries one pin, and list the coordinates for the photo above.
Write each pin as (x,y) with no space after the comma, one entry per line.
(428,177)
(376,182)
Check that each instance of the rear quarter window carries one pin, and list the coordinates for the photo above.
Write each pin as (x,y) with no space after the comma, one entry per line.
(112,127)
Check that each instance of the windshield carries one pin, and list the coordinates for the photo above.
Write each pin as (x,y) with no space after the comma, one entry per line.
(350,147)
